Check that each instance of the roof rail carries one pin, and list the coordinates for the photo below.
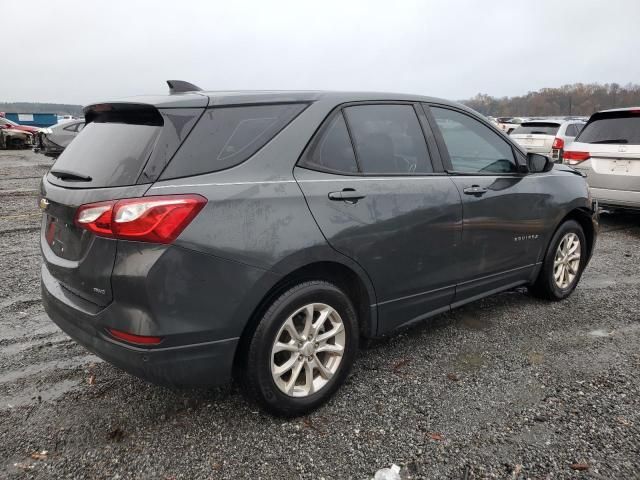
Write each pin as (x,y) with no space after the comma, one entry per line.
(180,86)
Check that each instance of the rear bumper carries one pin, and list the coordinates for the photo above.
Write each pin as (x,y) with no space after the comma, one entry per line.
(616,198)
(208,363)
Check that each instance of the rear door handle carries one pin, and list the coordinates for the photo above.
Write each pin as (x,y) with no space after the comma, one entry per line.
(346,195)
(475,190)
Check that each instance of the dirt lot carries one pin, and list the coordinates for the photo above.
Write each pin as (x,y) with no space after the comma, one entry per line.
(508,387)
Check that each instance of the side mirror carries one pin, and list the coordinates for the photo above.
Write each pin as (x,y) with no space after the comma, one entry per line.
(538,163)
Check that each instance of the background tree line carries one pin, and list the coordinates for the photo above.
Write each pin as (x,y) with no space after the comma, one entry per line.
(576,99)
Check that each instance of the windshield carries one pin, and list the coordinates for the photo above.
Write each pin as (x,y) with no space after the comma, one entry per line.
(621,127)
(538,128)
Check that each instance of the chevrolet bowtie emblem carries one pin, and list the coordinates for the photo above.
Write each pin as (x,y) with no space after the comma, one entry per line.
(44,203)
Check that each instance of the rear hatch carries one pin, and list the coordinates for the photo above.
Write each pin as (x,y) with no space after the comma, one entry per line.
(536,136)
(121,151)
(611,144)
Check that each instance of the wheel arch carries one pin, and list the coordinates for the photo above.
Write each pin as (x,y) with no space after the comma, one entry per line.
(348,278)
(584,218)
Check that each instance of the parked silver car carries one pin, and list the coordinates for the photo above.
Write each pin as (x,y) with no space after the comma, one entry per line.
(52,141)
(607,150)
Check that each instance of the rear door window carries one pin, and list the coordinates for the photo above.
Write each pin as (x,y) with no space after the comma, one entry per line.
(472,146)
(612,127)
(537,128)
(332,150)
(227,136)
(388,139)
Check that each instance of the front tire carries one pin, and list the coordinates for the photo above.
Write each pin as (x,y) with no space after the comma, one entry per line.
(302,350)
(563,264)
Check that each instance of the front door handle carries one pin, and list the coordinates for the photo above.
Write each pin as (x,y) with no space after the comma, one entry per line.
(346,195)
(475,190)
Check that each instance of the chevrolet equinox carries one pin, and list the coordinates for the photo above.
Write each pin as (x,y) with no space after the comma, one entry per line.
(195,236)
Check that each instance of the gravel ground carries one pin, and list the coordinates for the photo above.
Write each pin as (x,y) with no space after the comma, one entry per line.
(508,387)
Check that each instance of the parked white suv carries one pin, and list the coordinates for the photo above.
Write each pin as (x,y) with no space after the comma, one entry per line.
(607,150)
(565,136)
(547,136)
(537,135)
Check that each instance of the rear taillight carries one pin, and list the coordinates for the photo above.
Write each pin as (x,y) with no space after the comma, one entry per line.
(148,219)
(558,143)
(573,158)
(96,217)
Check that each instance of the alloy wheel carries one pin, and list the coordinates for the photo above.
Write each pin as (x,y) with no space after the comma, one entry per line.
(566,263)
(308,350)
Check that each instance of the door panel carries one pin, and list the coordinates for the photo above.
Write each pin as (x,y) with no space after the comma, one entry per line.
(503,231)
(404,232)
(504,211)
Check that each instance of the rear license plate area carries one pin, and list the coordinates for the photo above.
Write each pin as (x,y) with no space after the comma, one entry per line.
(620,166)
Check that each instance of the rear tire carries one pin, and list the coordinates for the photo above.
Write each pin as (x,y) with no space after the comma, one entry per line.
(563,264)
(302,350)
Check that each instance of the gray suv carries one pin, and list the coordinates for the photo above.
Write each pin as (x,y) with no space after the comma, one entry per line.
(196,236)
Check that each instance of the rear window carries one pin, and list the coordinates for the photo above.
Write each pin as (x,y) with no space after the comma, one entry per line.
(106,154)
(227,136)
(537,128)
(618,127)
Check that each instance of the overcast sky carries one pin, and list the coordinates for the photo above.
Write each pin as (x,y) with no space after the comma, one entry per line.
(78,51)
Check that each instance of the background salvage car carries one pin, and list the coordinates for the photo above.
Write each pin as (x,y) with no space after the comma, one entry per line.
(53,140)
(14,138)
(6,123)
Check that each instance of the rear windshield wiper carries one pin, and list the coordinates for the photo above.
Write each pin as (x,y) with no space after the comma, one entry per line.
(74,177)
(612,140)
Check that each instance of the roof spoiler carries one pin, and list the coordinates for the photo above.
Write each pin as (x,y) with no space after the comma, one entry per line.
(180,86)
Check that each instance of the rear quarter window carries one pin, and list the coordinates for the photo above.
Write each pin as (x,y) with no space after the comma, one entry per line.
(572,130)
(227,136)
